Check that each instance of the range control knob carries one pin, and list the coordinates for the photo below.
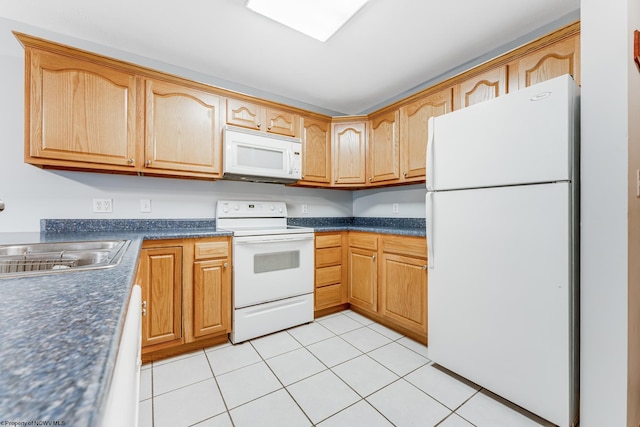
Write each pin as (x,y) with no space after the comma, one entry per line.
(236,207)
(280,210)
(271,208)
(225,209)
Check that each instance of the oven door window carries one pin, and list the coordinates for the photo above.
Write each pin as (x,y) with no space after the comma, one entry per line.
(276,261)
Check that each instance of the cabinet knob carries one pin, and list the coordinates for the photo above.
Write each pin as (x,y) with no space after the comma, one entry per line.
(144,308)
(336,180)
(370,179)
(404,174)
(258,124)
(130,161)
(302,176)
(147,163)
(268,127)
(373,257)
(225,265)
(424,267)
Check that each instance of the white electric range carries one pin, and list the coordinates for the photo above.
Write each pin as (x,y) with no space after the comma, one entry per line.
(273,268)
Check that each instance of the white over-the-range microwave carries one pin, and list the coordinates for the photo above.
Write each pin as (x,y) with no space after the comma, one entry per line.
(260,157)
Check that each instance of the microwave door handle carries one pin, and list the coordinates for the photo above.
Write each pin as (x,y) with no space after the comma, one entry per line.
(290,162)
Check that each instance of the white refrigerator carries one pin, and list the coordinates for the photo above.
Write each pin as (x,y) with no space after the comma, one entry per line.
(502,235)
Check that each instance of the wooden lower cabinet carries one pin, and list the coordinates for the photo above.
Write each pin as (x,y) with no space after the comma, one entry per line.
(404,293)
(160,276)
(388,281)
(363,271)
(331,272)
(186,289)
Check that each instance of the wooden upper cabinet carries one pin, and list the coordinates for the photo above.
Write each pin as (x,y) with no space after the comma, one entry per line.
(258,117)
(245,114)
(488,85)
(281,122)
(414,132)
(79,111)
(316,151)
(384,147)
(546,63)
(349,152)
(182,129)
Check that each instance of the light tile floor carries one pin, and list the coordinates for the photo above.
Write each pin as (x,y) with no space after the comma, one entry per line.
(341,370)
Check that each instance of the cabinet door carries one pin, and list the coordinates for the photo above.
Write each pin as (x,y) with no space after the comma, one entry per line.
(160,276)
(544,64)
(363,286)
(80,111)
(404,291)
(414,132)
(384,147)
(316,151)
(245,114)
(281,122)
(211,297)
(182,129)
(349,150)
(488,85)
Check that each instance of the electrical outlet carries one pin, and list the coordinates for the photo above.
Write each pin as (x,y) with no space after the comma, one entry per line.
(103,205)
(396,208)
(305,208)
(145,205)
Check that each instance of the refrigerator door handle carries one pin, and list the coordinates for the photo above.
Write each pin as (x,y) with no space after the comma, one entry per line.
(430,141)
(429,222)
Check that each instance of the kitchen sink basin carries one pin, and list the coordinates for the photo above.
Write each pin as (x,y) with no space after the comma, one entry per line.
(58,257)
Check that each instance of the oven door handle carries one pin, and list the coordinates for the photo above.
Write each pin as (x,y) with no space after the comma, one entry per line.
(275,239)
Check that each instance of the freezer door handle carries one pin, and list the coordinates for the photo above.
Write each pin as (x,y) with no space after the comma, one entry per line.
(429,160)
(429,222)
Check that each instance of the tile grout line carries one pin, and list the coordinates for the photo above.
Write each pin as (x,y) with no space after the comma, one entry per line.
(280,381)
(224,401)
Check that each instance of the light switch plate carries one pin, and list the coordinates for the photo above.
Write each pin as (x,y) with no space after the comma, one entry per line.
(145,205)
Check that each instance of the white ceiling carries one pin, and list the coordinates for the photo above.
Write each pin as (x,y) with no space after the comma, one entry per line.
(388,48)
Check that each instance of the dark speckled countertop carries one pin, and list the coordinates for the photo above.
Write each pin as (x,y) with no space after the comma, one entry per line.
(402,226)
(60,332)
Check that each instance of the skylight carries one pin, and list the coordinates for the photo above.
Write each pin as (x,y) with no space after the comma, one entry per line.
(319,19)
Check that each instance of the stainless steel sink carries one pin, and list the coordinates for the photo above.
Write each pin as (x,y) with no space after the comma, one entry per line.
(58,257)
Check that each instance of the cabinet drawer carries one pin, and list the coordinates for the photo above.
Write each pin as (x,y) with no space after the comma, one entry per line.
(205,250)
(363,240)
(328,296)
(328,240)
(328,256)
(405,245)
(328,275)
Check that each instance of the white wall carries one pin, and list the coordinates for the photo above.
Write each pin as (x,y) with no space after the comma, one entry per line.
(31,193)
(379,203)
(610,106)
